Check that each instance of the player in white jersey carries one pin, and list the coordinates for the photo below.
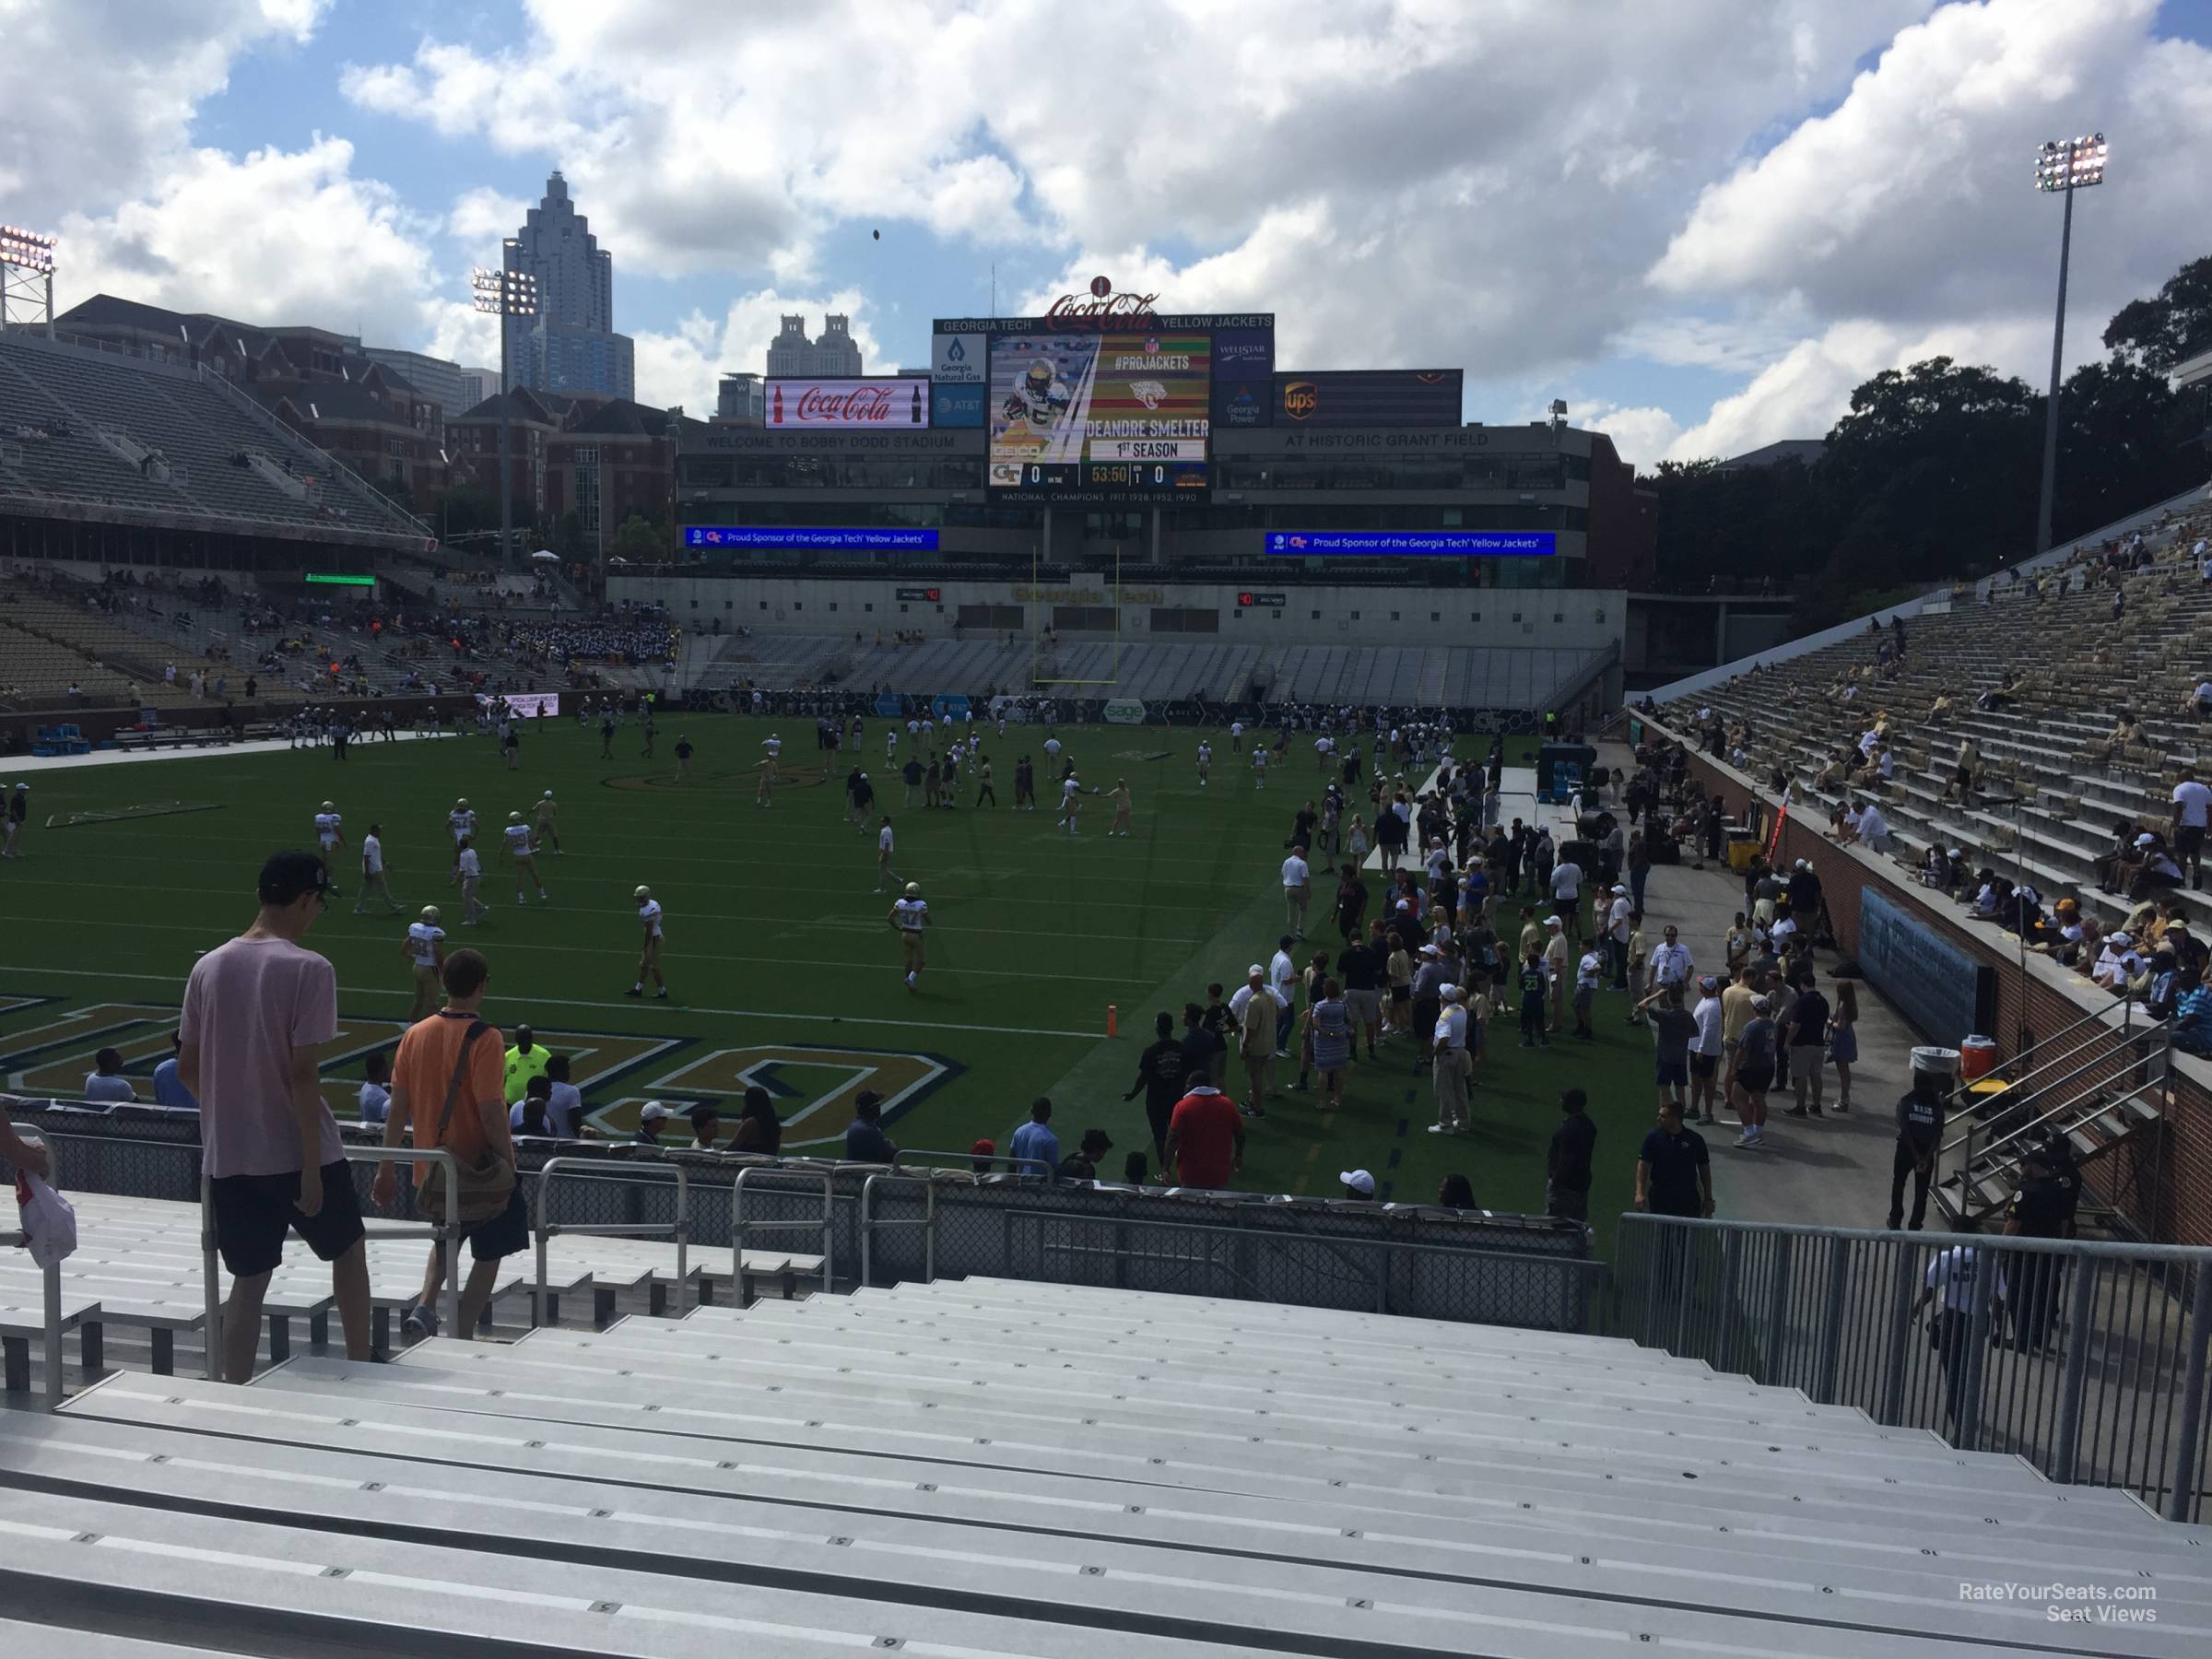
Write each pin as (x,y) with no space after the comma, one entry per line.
(548,837)
(890,743)
(329,834)
(1259,766)
(887,878)
(468,870)
(461,821)
(909,915)
(521,855)
(373,878)
(424,949)
(1071,802)
(649,920)
(1236,737)
(1205,761)
(1052,749)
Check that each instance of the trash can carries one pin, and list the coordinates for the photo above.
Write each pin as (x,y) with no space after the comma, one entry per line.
(1942,1062)
(1977,1058)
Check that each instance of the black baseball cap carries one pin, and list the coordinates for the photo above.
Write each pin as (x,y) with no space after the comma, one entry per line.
(286,876)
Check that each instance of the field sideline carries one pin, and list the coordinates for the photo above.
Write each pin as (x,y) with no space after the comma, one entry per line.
(780,965)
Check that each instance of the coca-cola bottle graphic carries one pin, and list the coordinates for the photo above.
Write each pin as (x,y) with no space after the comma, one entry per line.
(917,420)
(777,418)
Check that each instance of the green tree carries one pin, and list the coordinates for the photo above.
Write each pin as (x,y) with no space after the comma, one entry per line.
(466,508)
(641,542)
(2172,326)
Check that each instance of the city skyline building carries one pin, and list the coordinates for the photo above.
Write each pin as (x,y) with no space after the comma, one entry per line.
(570,345)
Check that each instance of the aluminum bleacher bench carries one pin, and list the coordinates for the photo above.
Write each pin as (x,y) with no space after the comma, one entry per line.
(53,1641)
(23,1321)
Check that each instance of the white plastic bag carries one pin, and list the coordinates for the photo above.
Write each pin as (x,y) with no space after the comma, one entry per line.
(49,1220)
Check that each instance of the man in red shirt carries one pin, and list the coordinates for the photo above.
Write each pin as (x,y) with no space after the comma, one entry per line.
(1205,1138)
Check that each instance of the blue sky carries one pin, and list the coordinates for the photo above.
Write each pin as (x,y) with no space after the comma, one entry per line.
(1700,224)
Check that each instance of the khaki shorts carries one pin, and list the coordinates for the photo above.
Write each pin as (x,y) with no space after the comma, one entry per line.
(912,939)
(651,952)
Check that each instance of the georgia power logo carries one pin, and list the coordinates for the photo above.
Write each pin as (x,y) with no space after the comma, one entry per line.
(1300,398)
(1149,393)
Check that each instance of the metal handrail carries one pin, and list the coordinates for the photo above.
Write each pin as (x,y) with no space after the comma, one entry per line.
(1967,1139)
(361,486)
(1963,1093)
(49,1284)
(927,1222)
(740,1227)
(1879,1331)
(446,1233)
(680,1227)
(2011,1159)
(921,1154)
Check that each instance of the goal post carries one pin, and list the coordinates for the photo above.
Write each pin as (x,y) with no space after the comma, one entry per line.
(1038,675)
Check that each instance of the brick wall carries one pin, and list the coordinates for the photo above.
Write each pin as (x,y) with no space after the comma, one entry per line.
(2163,1183)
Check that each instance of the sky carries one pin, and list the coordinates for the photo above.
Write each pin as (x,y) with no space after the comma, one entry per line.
(1698,223)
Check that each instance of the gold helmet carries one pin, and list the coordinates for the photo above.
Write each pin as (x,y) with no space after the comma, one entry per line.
(913,889)
(642,894)
(430,914)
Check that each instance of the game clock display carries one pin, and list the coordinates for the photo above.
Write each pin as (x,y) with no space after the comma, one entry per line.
(1107,416)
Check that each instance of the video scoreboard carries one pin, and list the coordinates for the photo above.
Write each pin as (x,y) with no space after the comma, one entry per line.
(1103,401)
(1122,415)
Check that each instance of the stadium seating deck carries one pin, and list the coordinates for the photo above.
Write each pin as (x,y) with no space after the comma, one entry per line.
(67,397)
(1000,1468)
(2074,668)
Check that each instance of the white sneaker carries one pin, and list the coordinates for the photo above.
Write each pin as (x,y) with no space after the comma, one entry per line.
(1438,1129)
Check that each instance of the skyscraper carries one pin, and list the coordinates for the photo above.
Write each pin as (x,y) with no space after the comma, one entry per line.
(570,345)
(790,355)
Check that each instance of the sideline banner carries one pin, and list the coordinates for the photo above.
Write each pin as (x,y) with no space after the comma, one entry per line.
(1122,710)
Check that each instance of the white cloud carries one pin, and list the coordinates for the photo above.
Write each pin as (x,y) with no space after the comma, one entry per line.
(683,365)
(1809,389)
(1321,158)
(1640,435)
(344,252)
(91,101)
(485,218)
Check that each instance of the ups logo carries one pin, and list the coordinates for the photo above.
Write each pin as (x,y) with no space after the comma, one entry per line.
(1300,398)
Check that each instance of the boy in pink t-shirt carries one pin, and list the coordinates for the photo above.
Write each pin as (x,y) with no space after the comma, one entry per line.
(257,1011)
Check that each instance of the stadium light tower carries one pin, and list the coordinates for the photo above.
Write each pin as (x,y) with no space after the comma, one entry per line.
(2064,165)
(505,294)
(25,273)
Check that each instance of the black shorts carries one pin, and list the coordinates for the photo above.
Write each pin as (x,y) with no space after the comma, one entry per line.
(1401,994)
(1704,1066)
(2188,841)
(1755,1079)
(253,1212)
(500,1236)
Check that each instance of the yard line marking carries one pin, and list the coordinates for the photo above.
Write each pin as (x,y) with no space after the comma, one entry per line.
(629,913)
(617,950)
(673,1006)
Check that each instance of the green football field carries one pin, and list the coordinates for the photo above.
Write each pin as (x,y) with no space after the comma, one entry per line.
(782,967)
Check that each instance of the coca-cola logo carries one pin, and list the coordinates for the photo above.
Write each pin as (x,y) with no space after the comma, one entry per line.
(855,404)
(1072,311)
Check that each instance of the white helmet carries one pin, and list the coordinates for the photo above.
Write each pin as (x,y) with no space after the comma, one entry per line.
(514,818)
(548,794)
(430,914)
(642,894)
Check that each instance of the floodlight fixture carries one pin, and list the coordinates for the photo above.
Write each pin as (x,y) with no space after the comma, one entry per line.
(2071,163)
(28,250)
(505,293)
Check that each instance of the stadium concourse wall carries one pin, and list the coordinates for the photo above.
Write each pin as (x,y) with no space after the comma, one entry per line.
(915,1223)
(1090,606)
(2161,1184)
